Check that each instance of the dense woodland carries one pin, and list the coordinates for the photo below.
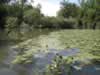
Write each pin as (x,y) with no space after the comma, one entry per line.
(19,15)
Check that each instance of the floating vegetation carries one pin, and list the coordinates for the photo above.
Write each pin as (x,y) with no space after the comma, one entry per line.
(88,41)
(60,66)
(24,58)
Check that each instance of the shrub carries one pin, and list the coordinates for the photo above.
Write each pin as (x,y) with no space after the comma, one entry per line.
(32,16)
(68,23)
(12,27)
(11,23)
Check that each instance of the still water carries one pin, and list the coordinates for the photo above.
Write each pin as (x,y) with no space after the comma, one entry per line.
(46,46)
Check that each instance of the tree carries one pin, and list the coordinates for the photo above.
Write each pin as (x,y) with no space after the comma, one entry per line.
(3,12)
(68,9)
(21,6)
(32,16)
(89,13)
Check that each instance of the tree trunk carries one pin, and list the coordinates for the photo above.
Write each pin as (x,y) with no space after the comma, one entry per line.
(94,26)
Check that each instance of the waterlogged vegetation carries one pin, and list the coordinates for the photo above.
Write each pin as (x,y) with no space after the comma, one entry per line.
(60,66)
(87,41)
(39,51)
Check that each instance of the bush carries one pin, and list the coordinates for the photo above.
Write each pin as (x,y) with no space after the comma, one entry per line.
(11,24)
(58,22)
(68,23)
(32,17)
(46,22)
(12,27)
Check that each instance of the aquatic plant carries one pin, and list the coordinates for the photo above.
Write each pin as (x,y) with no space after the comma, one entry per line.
(88,41)
(25,58)
(60,66)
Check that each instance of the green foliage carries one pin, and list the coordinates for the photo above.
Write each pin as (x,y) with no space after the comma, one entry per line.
(68,10)
(11,23)
(32,17)
(60,66)
(58,22)
(49,22)
(3,13)
(68,23)
(13,10)
(88,13)
(12,28)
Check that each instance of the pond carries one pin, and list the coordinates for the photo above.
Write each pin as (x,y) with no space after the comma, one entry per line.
(42,48)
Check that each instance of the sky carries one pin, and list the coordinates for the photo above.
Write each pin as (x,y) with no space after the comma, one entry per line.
(50,7)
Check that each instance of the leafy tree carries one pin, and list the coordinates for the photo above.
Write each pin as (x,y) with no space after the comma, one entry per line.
(3,12)
(21,6)
(11,24)
(68,9)
(89,13)
(32,16)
